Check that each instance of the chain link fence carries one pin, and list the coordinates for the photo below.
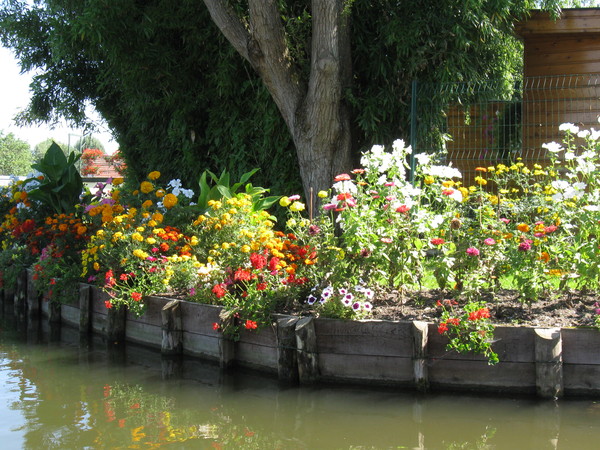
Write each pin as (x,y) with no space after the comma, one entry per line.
(476,124)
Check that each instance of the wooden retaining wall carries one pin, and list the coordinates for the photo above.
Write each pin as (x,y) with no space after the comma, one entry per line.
(546,362)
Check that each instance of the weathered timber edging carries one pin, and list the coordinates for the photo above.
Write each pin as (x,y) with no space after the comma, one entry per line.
(549,363)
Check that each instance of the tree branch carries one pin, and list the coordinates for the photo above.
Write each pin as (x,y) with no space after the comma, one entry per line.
(230,25)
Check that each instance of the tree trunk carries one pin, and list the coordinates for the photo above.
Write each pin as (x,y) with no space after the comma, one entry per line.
(315,113)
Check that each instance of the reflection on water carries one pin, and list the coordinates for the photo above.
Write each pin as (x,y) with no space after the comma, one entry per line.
(64,394)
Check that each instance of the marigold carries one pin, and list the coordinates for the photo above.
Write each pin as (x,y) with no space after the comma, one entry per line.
(169,201)
(146,187)
(155,175)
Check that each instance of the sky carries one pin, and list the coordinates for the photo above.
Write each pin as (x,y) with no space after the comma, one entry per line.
(14,97)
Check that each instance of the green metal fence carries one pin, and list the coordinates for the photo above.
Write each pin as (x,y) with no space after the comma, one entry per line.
(472,124)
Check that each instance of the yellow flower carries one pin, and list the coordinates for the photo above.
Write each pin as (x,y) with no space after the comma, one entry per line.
(169,201)
(285,202)
(96,266)
(448,183)
(137,237)
(245,248)
(322,194)
(140,253)
(146,187)
(297,206)
(151,240)
(155,175)
(158,217)
(480,181)
(429,179)
(147,204)
(117,181)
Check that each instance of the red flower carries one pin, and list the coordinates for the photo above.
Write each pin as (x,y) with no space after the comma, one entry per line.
(216,326)
(52,281)
(437,241)
(242,275)
(108,304)
(402,209)
(220,290)
(137,296)
(482,313)
(250,325)
(273,263)
(442,328)
(258,261)
(123,277)
(454,321)
(261,286)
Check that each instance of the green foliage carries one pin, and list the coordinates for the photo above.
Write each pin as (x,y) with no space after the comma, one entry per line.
(88,141)
(61,186)
(40,149)
(15,155)
(176,87)
(222,189)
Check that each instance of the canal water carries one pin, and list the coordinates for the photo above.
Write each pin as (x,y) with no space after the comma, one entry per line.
(58,392)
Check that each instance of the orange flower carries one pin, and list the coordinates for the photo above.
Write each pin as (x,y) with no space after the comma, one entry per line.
(545,257)
(169,201)
(523,227)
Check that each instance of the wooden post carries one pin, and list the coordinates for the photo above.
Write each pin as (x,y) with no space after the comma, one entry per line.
(85,317)
(548,362)
(306,344)
(226,352)
(115,325)
(33,297)
(20,294)
(287,353)
(54,312)
(172,329)
(420,339)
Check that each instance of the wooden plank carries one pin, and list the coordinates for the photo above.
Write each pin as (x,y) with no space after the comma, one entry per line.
(581,346)
(572,21)
(70,315)
(374,369)
(512,344)
(581,379)
(383,338)
(204,346)
(199,318)
(143,333)
(152,311)
(478,375)
(256,356)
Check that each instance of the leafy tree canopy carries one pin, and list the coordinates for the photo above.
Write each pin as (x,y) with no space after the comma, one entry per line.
(15,155)
(180,99)
(40,149)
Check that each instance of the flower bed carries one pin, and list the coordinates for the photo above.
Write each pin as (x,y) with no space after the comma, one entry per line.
(533,230)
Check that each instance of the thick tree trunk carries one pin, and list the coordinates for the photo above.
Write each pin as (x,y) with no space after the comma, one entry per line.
(315,113)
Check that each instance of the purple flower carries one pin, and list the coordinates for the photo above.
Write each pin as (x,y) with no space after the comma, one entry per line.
(525,245)
(367,306)
(472,251)
(311,299)
(356,306)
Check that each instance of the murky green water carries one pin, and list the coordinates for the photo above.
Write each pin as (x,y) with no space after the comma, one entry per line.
(58,393)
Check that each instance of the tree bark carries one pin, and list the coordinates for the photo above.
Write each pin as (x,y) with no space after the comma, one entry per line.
(314,111)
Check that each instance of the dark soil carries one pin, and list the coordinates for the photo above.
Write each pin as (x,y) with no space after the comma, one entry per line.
(576,309)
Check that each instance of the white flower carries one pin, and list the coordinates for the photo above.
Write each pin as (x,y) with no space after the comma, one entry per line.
(583,134)
(399,147)
(595,134)
(344,187)
(592,208)
(569,127)
(553,147)
(423,159)
(188,193)
(569,156)
(443,172)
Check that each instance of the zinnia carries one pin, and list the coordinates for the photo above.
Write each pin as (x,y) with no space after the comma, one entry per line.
(473,251)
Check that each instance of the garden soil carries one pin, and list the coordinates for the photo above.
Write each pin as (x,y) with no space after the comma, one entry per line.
(575,309)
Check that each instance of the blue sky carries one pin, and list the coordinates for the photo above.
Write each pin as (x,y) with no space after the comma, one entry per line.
(14,97)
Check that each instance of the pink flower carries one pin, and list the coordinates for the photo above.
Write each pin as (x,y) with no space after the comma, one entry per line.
(489,241)
(472,251)
(342,177)
(329,206)
(386,240)
(293,198)
(525,245)
(505,220)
